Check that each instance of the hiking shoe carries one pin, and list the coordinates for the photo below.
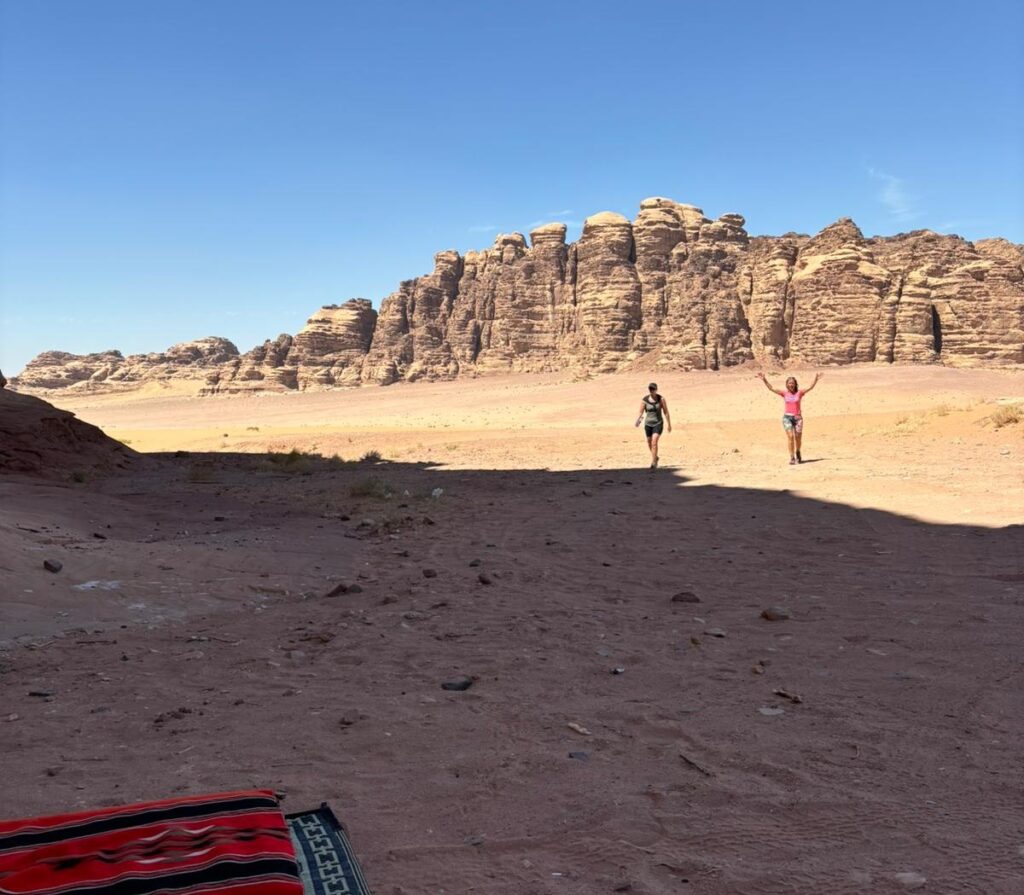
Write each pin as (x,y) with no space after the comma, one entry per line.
(799,459)
(792,461)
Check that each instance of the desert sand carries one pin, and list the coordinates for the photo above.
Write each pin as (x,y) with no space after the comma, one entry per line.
(225,618)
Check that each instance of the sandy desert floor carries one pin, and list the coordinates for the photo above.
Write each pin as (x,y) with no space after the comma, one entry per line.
(224,619)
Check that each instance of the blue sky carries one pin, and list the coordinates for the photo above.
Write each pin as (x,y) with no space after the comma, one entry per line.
(172,170)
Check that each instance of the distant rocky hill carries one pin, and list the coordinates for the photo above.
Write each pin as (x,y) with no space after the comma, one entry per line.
(671,289)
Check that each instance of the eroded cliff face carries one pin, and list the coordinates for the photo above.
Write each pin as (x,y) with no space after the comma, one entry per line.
(671,289)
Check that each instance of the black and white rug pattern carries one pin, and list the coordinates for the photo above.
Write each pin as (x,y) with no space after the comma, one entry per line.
(326,861)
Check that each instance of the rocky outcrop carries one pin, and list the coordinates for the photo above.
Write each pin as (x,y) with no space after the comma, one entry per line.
(107,370)
(671,289)
(38,439)
(328,351)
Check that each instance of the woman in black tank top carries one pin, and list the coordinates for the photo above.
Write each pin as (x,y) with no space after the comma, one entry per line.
(654,415)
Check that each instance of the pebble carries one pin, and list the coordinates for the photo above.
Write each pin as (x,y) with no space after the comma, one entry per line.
(685,596)
(578,728)
(473,563)
(355,589)
(337,590)
(484,578)
(618,671)
(714,632)
(768,710)
(910,879)
(52,565)
(470,840)
(579,756)
(430,573)
(458,685)
(776,613)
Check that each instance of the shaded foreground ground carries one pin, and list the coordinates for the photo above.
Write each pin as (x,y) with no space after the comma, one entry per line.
(209,655)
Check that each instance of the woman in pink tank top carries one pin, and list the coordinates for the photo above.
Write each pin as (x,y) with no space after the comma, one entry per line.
(792,418)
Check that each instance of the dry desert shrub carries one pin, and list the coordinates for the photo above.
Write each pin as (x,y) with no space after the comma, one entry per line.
(372,486)
(1007,415)
(295,461)
(371,457)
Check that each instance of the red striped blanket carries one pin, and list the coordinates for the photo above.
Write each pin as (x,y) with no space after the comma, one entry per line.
(236,843)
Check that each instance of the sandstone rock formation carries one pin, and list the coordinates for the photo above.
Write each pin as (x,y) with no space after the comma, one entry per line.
(38,439)
(110,369)
(671,289)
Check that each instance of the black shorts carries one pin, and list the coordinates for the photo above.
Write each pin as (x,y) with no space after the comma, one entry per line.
(654,430)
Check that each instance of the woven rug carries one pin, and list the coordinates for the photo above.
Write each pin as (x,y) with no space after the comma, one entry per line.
(234,843)
(327,863)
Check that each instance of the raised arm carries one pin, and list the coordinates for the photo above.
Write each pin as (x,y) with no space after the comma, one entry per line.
(817,376)
(767,384)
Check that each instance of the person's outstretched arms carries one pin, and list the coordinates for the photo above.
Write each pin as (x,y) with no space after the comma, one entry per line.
(664,410)
(817,376)
(767,384)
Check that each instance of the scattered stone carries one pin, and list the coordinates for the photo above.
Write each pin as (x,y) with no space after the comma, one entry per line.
(484,578)
(769,710)
(619,670)
(437,493)
(911,879)
(578,728)
(714,632)
(99,536)
(355,588)
(220,518)
(173,715)
(430,573)
(428,521)
(473,563)
(776,613)
(471,840)
(695,640)
(685,596)
(337,590)
(41,694)
(13,716)
(458,685)
(785,694)
(757,669)
(52,565)
(579,756)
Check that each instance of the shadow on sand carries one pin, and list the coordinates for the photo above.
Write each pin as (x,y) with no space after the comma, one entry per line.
(874,731)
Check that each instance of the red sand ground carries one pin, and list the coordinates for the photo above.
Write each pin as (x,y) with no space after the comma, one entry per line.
(217,660)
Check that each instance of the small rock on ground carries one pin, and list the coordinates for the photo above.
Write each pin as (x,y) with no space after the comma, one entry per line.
(458,685)
(776,613)
(52,565)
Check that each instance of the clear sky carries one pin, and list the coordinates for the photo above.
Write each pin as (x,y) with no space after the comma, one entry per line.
(173,169)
